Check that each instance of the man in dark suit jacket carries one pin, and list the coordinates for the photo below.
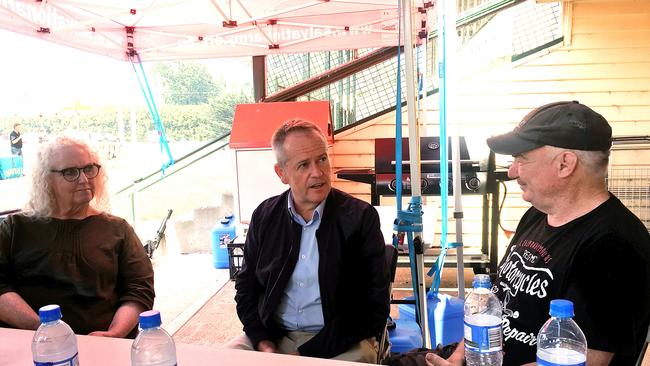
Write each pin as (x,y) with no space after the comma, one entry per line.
(313,281)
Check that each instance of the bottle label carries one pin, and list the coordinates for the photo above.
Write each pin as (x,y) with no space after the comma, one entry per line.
(560,357)
(72,361)
(483,338)
(541,362)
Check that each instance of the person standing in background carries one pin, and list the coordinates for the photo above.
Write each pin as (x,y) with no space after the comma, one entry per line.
(16,140)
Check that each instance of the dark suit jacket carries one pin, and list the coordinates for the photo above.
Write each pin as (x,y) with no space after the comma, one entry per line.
(352,272)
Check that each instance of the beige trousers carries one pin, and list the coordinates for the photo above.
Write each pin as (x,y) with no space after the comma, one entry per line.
(364,351)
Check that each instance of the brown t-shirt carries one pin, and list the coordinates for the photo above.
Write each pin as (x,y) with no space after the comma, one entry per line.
(88,267)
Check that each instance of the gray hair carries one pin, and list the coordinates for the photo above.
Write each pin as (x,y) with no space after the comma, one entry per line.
(287,128)
(41,197)
(595,161)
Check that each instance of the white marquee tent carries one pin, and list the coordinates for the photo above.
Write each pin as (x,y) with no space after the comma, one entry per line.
(184,29)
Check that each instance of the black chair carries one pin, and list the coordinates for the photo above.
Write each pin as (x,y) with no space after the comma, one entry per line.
(383,351)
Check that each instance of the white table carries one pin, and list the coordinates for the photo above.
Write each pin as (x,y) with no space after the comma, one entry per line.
(15,349)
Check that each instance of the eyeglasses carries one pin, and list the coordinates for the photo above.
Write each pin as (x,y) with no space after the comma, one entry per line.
(72,174)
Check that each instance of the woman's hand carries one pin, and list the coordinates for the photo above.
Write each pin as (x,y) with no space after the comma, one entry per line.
(101,333)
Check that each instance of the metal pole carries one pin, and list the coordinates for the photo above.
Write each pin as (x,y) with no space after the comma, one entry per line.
(414,157)
(451,41)
(132,202)
(259,78)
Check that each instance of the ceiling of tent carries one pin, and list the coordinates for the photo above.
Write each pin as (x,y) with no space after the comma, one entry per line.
(183,29)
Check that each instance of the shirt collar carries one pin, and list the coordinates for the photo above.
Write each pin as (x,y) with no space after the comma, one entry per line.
(318,212)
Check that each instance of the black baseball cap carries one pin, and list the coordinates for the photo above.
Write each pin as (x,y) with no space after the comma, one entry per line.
(568,125)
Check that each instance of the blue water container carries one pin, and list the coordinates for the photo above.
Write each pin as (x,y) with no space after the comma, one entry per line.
(224,231)
(406,335)
(445,318)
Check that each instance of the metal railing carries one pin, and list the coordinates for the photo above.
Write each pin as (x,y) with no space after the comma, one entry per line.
(632,187)
(631,183)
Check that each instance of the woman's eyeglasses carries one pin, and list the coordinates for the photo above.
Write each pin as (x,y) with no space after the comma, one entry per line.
(72,174)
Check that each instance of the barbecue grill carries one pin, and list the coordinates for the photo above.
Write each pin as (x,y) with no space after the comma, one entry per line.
(383,179)
(478,178)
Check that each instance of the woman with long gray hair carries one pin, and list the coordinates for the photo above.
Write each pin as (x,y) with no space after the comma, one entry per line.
(66,249)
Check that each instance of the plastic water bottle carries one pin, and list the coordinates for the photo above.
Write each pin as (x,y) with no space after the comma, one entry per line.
(483,335)
(560,342)
(153,346)
(54,342)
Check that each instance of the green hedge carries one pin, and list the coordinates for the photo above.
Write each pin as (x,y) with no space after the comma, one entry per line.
(182,122)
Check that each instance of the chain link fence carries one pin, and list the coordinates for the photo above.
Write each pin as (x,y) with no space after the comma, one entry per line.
(632,186)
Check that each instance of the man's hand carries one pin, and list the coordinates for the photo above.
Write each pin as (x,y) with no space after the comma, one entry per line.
(266,346)
(456,358)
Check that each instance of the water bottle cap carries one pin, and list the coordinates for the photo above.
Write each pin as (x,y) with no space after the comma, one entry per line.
(49,313)
(481,281)
(150,319)
(561,308)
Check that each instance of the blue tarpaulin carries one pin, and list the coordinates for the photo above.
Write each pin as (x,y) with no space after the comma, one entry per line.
(11,167)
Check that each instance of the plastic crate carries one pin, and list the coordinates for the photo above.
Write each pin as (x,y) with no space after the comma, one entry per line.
(235,258)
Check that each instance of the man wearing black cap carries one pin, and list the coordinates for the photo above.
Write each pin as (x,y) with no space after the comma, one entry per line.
(577,242)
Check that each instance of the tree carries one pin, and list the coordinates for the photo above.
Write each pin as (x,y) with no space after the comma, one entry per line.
(222,108)
(198,108)
(186,83)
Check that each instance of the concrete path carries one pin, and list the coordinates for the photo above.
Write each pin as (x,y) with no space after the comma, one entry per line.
(215,323)
(184,283)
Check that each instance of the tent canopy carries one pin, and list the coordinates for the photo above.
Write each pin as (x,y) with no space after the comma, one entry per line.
(184,29)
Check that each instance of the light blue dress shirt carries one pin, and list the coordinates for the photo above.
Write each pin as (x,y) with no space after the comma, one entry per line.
(300,307)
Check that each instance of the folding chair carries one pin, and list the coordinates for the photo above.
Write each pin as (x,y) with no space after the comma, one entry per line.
(383,350)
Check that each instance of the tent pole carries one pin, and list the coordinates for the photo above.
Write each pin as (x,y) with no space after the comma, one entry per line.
(414,157)
(451,74)
(259,78)
(447,45)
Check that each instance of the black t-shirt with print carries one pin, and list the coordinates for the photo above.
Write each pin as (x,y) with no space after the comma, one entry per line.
(600,261)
